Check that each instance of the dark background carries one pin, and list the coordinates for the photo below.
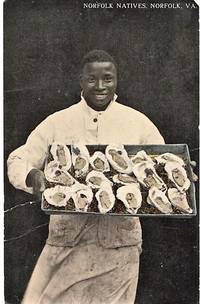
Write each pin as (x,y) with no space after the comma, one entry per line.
(157,56)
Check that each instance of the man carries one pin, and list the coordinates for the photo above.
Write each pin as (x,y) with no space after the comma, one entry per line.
(86,259)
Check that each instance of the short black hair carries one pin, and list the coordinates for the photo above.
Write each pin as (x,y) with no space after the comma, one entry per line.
(97,56)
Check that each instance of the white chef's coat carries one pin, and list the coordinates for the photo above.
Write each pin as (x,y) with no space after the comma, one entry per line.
(86,258)
(80,123)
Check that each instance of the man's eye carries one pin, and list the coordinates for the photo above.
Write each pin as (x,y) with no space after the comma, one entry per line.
(108,79)
(91,80)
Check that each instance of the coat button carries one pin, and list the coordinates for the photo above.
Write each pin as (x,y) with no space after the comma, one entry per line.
(95,119)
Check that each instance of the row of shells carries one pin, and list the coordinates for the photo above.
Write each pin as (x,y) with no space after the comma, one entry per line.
(130,174)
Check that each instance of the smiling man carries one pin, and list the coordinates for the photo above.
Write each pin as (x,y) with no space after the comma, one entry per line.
(99,82)
(86,259)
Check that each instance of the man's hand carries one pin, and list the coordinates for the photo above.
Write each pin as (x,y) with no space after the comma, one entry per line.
(193,165)
(36,179)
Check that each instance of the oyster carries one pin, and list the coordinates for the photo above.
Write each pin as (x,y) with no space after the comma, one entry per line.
(80,159)
(131,196)
(82,196)
(159,200)
(61,154)
(124,179)
(147,176)
(54,174)
(169,157)
(118,158)
(177,174)
(99,162)
(105,198)
(141,156)
(95,178)
(57,196)
(179,200)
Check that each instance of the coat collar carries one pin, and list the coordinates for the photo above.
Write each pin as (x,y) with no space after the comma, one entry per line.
(91,111)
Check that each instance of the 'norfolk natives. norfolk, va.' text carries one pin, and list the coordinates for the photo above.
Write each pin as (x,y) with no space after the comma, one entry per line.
(142,5)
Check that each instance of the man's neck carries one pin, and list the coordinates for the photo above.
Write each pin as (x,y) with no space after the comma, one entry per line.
(97,108)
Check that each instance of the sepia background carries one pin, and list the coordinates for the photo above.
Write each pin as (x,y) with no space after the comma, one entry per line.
(157,56)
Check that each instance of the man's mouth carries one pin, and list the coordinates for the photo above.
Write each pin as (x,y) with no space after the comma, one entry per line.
(100,96)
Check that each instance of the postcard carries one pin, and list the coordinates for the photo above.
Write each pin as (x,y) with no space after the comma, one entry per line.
(99,73)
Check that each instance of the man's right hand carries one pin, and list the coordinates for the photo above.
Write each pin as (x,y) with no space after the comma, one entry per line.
(36,179)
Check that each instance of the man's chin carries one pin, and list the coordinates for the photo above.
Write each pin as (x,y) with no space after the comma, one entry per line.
(99,105)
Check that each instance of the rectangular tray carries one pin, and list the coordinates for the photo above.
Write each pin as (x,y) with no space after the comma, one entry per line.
(178,149)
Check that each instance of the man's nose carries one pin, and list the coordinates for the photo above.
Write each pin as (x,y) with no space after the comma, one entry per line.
(99,84)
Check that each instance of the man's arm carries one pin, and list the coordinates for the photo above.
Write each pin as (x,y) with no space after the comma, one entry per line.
(26,162)
(151,135)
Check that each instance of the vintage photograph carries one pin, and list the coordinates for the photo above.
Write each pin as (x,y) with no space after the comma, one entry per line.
(101,108)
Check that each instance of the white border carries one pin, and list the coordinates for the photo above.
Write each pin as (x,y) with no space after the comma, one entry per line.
(2,300)
(1,163)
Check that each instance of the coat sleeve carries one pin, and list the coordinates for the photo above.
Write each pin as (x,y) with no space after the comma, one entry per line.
(151,135)
(31,155)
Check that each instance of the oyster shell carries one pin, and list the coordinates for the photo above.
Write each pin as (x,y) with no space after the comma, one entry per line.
(80,159)
(131,196)
(158,199)
(105,198)
(140,157)
(95,178)
(57,196)
(179,200)
(147,176)
(82,196)
(124,179)
(118,158)
(177,174)
(99,162)
(54,174)
(169,157)
(61,155)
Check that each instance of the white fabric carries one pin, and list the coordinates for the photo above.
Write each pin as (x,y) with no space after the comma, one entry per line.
(110,245)
(85,274)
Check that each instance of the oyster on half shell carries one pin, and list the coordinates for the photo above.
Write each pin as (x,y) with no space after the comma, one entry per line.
(57,196)
(131,196)
(118,158)
(80,159)
(177,174)
(147,176)
(124,179)
(61,154)
(141,156)
(82,196)
(105,198)
(54,174)
(169,157)
(179,200)
(95,178)
(99,162)
(159,200)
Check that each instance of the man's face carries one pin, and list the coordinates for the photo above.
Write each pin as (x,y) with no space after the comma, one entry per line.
(98,82)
